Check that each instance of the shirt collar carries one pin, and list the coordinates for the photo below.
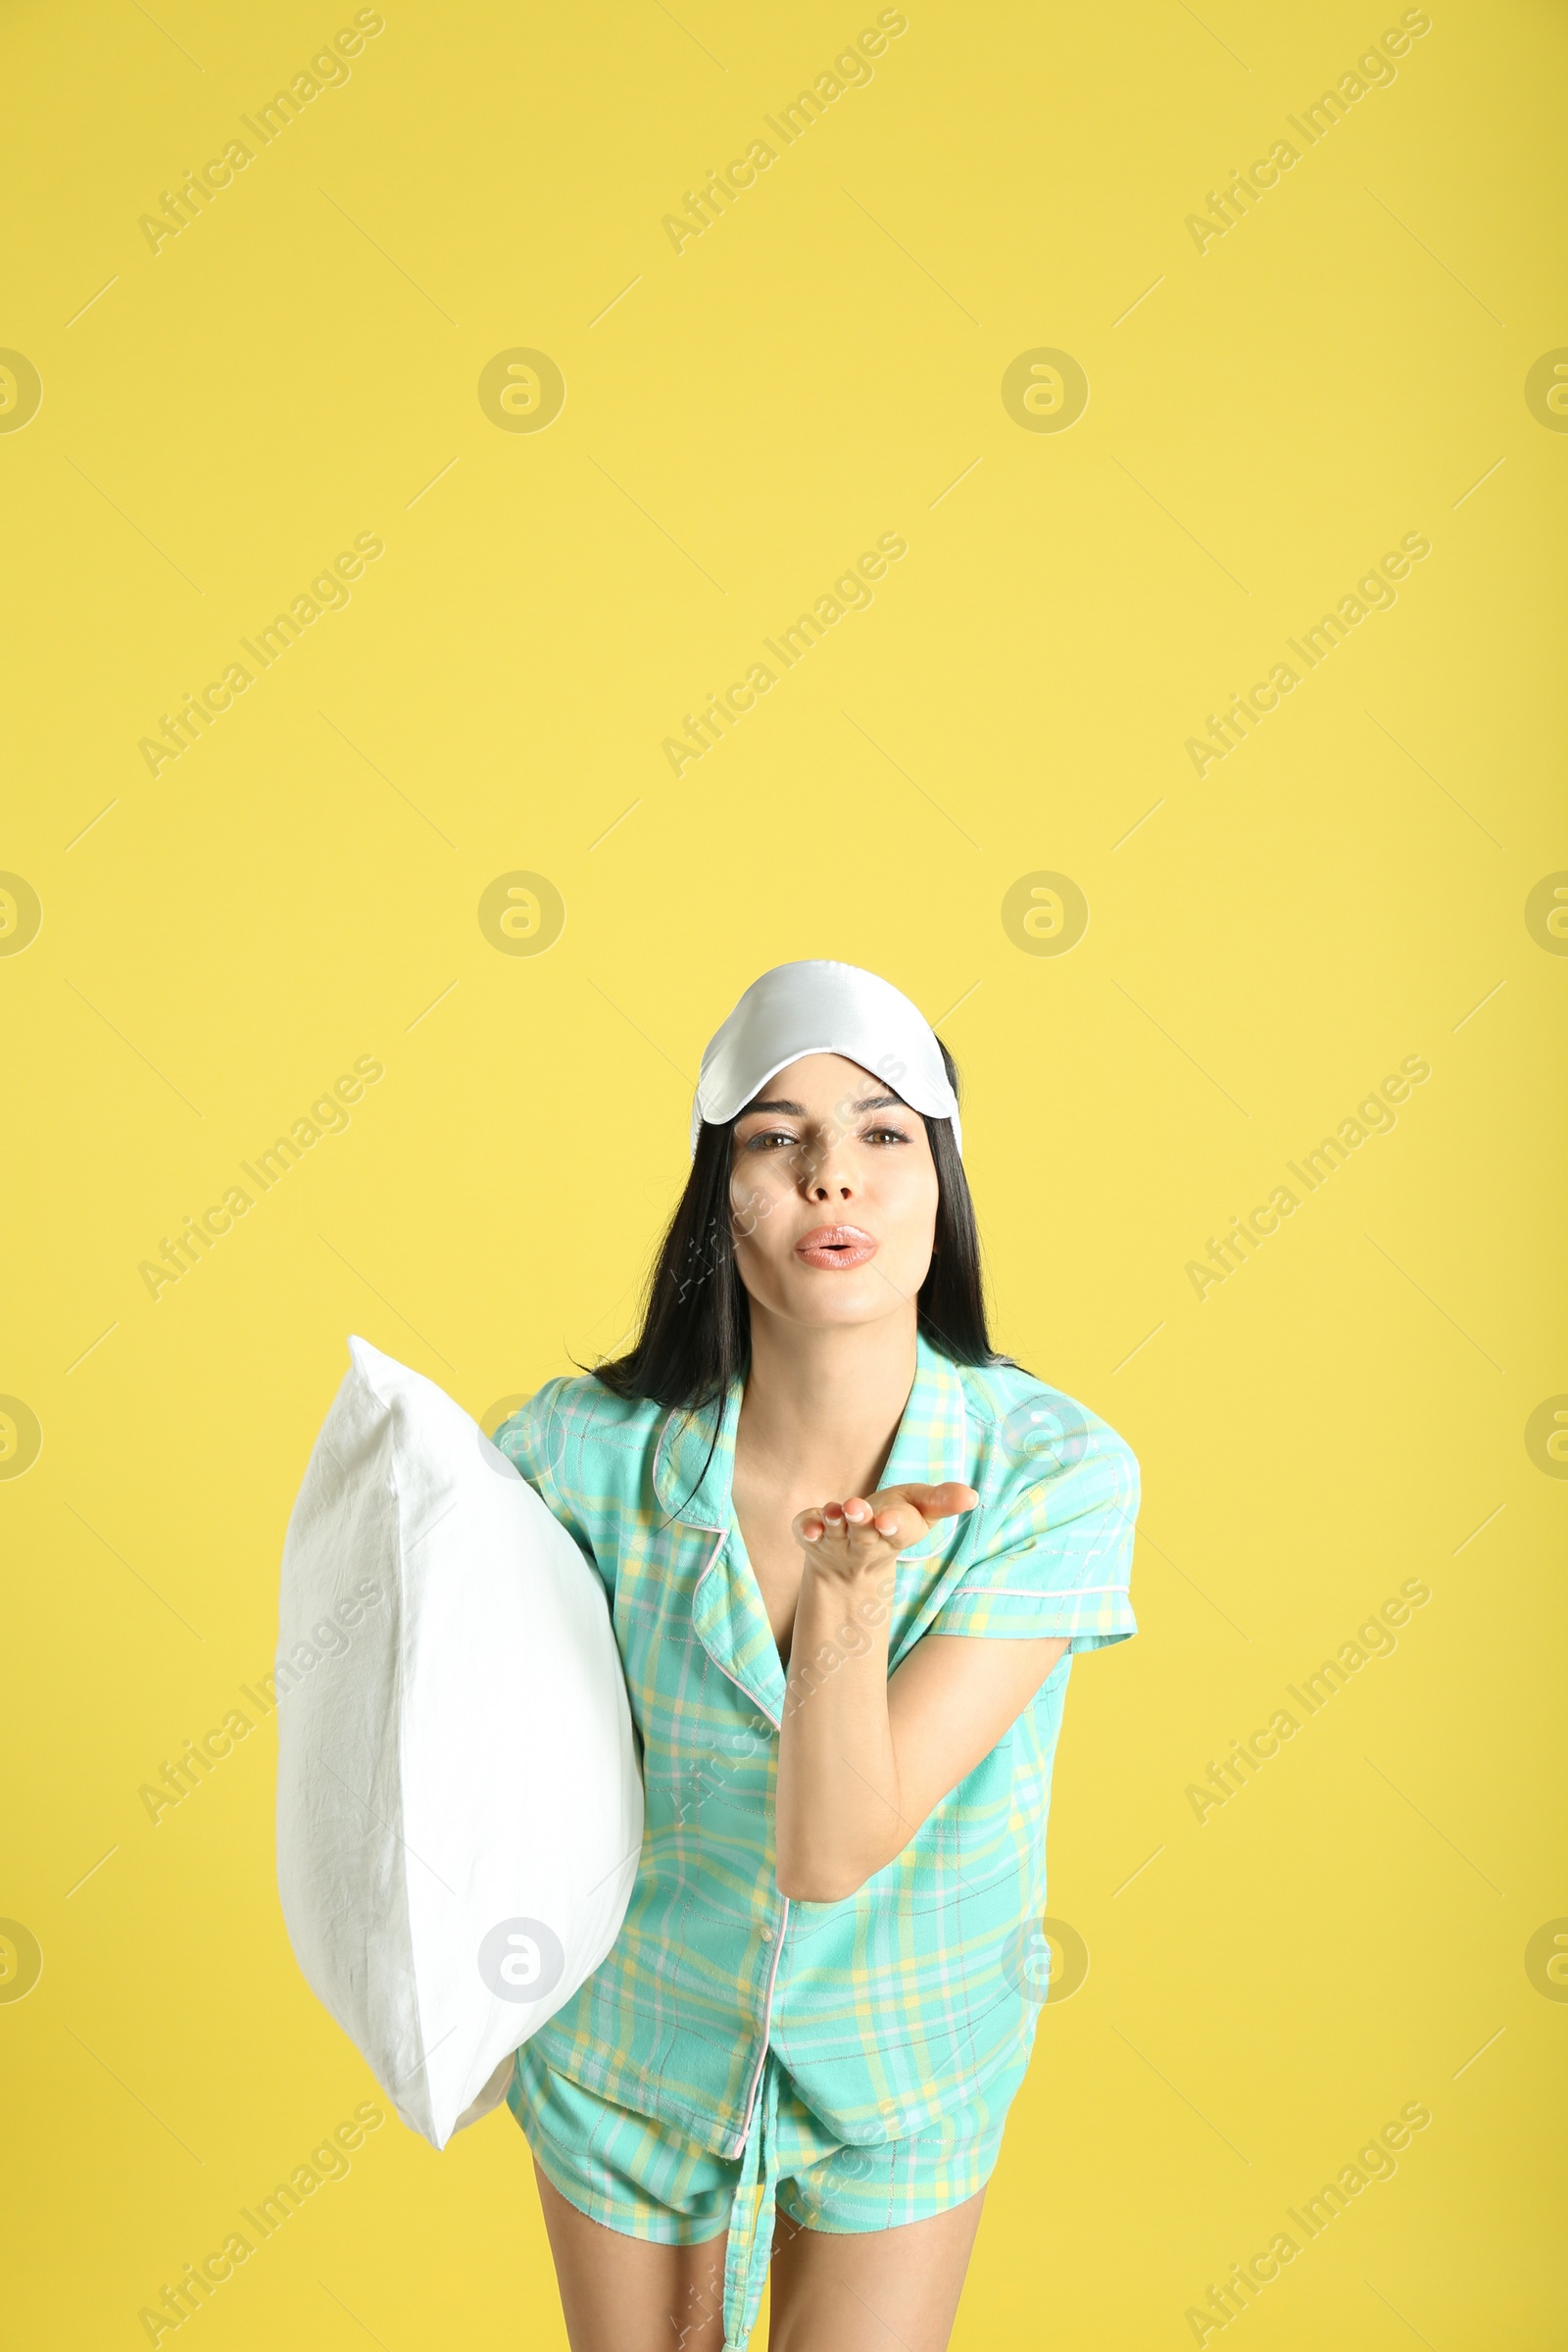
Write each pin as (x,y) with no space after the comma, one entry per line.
(694,1464)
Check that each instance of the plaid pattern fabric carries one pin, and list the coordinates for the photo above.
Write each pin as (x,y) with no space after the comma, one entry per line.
(645,2178)
(891,2009)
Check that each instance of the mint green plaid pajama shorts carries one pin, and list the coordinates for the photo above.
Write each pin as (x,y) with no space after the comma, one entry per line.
(645,2178)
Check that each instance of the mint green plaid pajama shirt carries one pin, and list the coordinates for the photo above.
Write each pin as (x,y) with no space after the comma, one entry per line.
(861,2054)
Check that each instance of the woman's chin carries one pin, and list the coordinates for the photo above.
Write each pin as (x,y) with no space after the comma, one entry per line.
(831,1300)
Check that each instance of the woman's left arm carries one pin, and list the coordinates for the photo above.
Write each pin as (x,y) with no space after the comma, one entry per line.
(862,1759)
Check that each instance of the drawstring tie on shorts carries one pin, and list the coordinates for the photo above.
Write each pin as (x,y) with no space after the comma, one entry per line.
(752,2215)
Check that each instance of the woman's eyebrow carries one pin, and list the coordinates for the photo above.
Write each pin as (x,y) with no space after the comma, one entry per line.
(797,1110)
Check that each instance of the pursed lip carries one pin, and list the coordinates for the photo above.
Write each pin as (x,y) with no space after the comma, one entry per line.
(836,1247)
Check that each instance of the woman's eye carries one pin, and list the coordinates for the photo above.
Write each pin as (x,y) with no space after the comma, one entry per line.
(779,1139)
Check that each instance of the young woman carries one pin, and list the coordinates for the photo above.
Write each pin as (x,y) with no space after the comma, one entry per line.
(808,1487)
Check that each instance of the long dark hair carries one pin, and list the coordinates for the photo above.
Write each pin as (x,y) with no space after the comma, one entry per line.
(696,1335)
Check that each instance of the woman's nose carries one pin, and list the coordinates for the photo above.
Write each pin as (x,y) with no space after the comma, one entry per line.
(824,1177)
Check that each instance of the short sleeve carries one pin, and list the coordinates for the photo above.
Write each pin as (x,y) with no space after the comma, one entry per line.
(1053,1544)
(535,1441)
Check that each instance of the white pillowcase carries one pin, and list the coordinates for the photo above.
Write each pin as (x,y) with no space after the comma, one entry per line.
(459,1810)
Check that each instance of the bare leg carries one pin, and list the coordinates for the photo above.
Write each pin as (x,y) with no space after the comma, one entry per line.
(623,2294)
(877,2291)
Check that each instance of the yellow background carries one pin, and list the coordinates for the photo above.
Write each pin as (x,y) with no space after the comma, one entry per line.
(1267,1987)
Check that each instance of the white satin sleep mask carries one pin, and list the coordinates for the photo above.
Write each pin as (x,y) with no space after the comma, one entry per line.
(819,1007)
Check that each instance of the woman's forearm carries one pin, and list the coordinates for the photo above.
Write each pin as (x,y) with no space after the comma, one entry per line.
(838,1812)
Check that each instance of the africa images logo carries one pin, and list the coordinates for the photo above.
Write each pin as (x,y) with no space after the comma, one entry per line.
(329,1115)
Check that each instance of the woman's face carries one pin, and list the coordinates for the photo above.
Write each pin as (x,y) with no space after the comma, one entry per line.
(833,1190)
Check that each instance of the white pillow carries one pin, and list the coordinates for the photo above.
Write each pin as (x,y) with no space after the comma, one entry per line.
(460,1811)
